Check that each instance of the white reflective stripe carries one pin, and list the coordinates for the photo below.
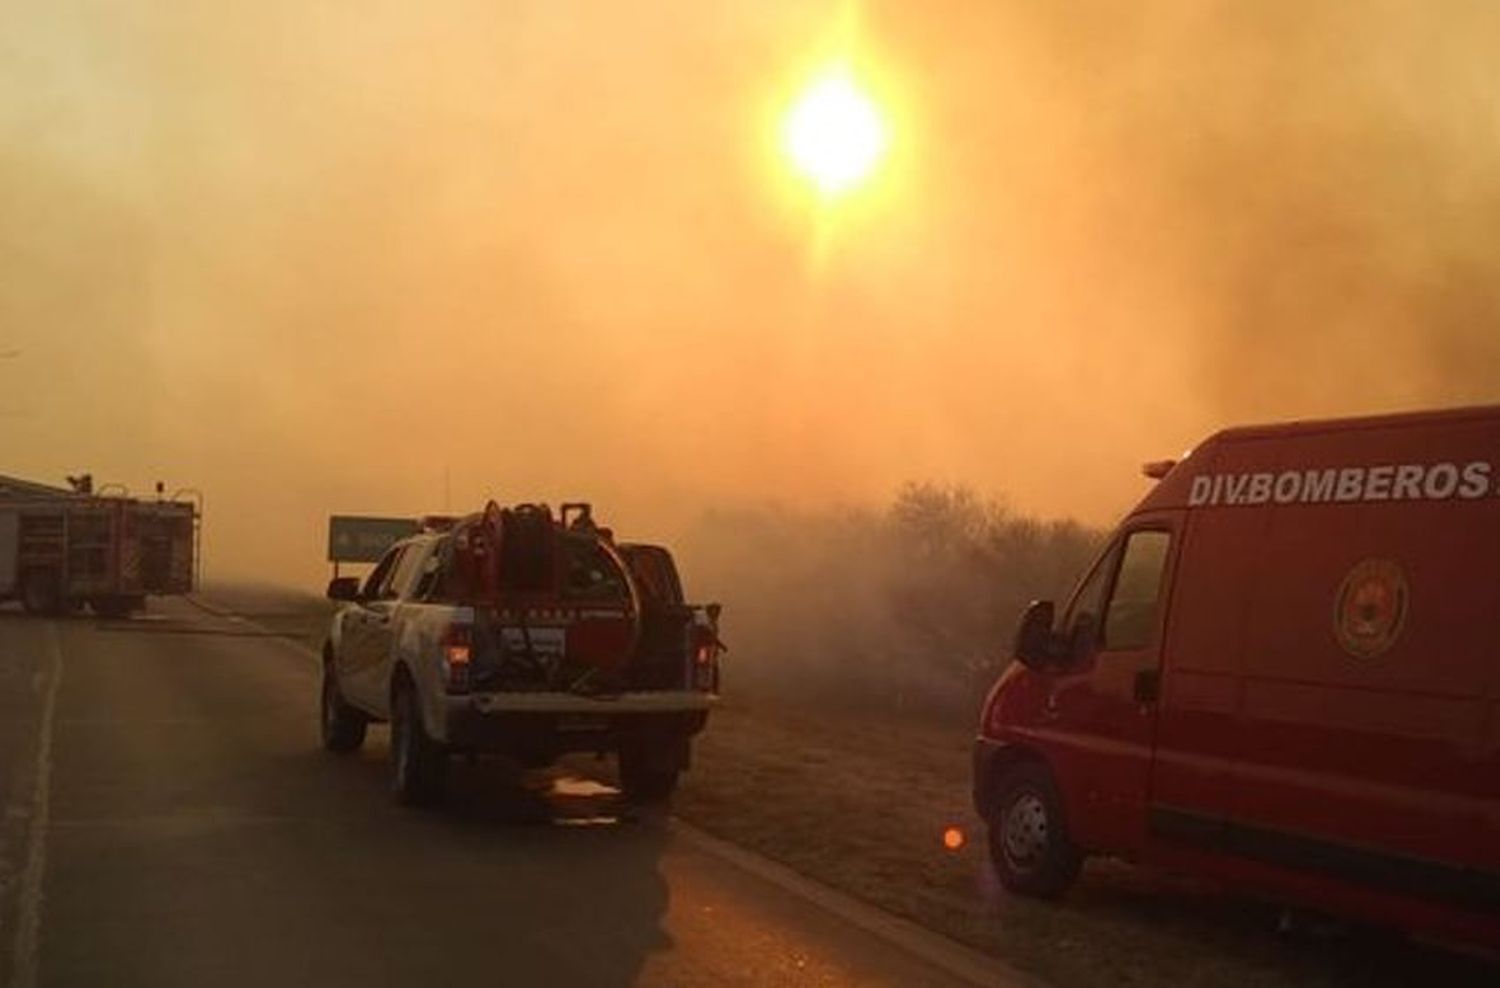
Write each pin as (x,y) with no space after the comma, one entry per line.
(574,703)
(1348,484)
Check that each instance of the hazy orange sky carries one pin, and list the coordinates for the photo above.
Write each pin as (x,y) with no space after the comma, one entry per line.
(310,257)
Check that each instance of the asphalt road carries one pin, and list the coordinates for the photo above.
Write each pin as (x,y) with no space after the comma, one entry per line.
(170,819)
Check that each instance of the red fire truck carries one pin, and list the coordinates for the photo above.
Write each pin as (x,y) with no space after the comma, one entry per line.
(62,548)
(1280,672)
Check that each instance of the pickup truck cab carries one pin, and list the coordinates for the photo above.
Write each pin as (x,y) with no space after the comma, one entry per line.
(513,633)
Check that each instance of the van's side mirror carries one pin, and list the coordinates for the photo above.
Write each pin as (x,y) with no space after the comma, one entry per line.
(713,611)
(343,588)
(1035,641)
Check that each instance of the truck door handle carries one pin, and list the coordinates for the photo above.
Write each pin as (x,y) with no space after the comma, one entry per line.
(1148,686)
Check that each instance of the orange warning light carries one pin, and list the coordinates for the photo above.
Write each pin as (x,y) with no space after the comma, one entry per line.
(953,838)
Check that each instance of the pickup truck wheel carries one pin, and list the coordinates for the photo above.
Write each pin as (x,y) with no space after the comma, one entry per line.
(418,764)
(644,780)
(1029,842)
(343,727)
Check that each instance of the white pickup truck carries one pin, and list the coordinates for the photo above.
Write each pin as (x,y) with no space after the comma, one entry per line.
(515,633)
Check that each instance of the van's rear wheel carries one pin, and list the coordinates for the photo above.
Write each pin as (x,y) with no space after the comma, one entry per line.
(1029,842)
(343,727)
(419,765)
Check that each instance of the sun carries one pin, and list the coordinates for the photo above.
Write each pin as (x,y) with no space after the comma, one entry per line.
(834,134)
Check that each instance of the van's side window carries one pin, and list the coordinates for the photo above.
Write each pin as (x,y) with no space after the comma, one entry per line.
(1130,619)
(1080,625)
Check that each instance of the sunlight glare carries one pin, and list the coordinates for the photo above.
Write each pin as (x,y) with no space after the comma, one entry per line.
(835,135)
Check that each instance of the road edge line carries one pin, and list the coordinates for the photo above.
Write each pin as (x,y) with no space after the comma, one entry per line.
(219,610)
(34,871)
(966,963)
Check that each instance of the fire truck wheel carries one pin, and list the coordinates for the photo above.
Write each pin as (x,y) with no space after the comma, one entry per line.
(343,727)
(40,593)
(418,764)
(643,776)
(1029,842)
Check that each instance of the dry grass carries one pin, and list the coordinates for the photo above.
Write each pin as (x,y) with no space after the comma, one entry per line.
(861,804)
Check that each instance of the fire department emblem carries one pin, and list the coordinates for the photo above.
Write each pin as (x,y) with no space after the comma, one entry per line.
(1371,608)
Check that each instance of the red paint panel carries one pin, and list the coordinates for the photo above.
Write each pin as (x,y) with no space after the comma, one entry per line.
(1218,570)
(1382,750)
(603,642)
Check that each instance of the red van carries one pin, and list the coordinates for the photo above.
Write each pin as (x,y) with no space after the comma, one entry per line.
(1283,672)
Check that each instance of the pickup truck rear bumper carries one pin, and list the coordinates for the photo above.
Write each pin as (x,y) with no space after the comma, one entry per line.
(558,722)
(642,702)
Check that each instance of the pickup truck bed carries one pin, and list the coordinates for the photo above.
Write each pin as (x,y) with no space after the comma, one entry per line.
(592,651)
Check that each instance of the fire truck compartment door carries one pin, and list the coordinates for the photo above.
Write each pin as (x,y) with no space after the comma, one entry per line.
(10,545)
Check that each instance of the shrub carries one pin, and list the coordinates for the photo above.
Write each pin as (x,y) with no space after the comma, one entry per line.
(909,606)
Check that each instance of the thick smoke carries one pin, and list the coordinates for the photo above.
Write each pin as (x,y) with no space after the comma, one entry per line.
(316,258)
(910,607)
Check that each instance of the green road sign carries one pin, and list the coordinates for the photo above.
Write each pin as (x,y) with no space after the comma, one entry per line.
(358,539)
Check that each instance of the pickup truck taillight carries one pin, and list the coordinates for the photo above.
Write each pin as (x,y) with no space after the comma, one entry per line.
(458,650)
(705,652)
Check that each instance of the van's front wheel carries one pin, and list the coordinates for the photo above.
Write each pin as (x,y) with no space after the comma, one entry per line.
(1028,835)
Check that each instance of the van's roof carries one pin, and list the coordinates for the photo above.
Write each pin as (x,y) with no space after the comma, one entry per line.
(1305,426)
(1173,489)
